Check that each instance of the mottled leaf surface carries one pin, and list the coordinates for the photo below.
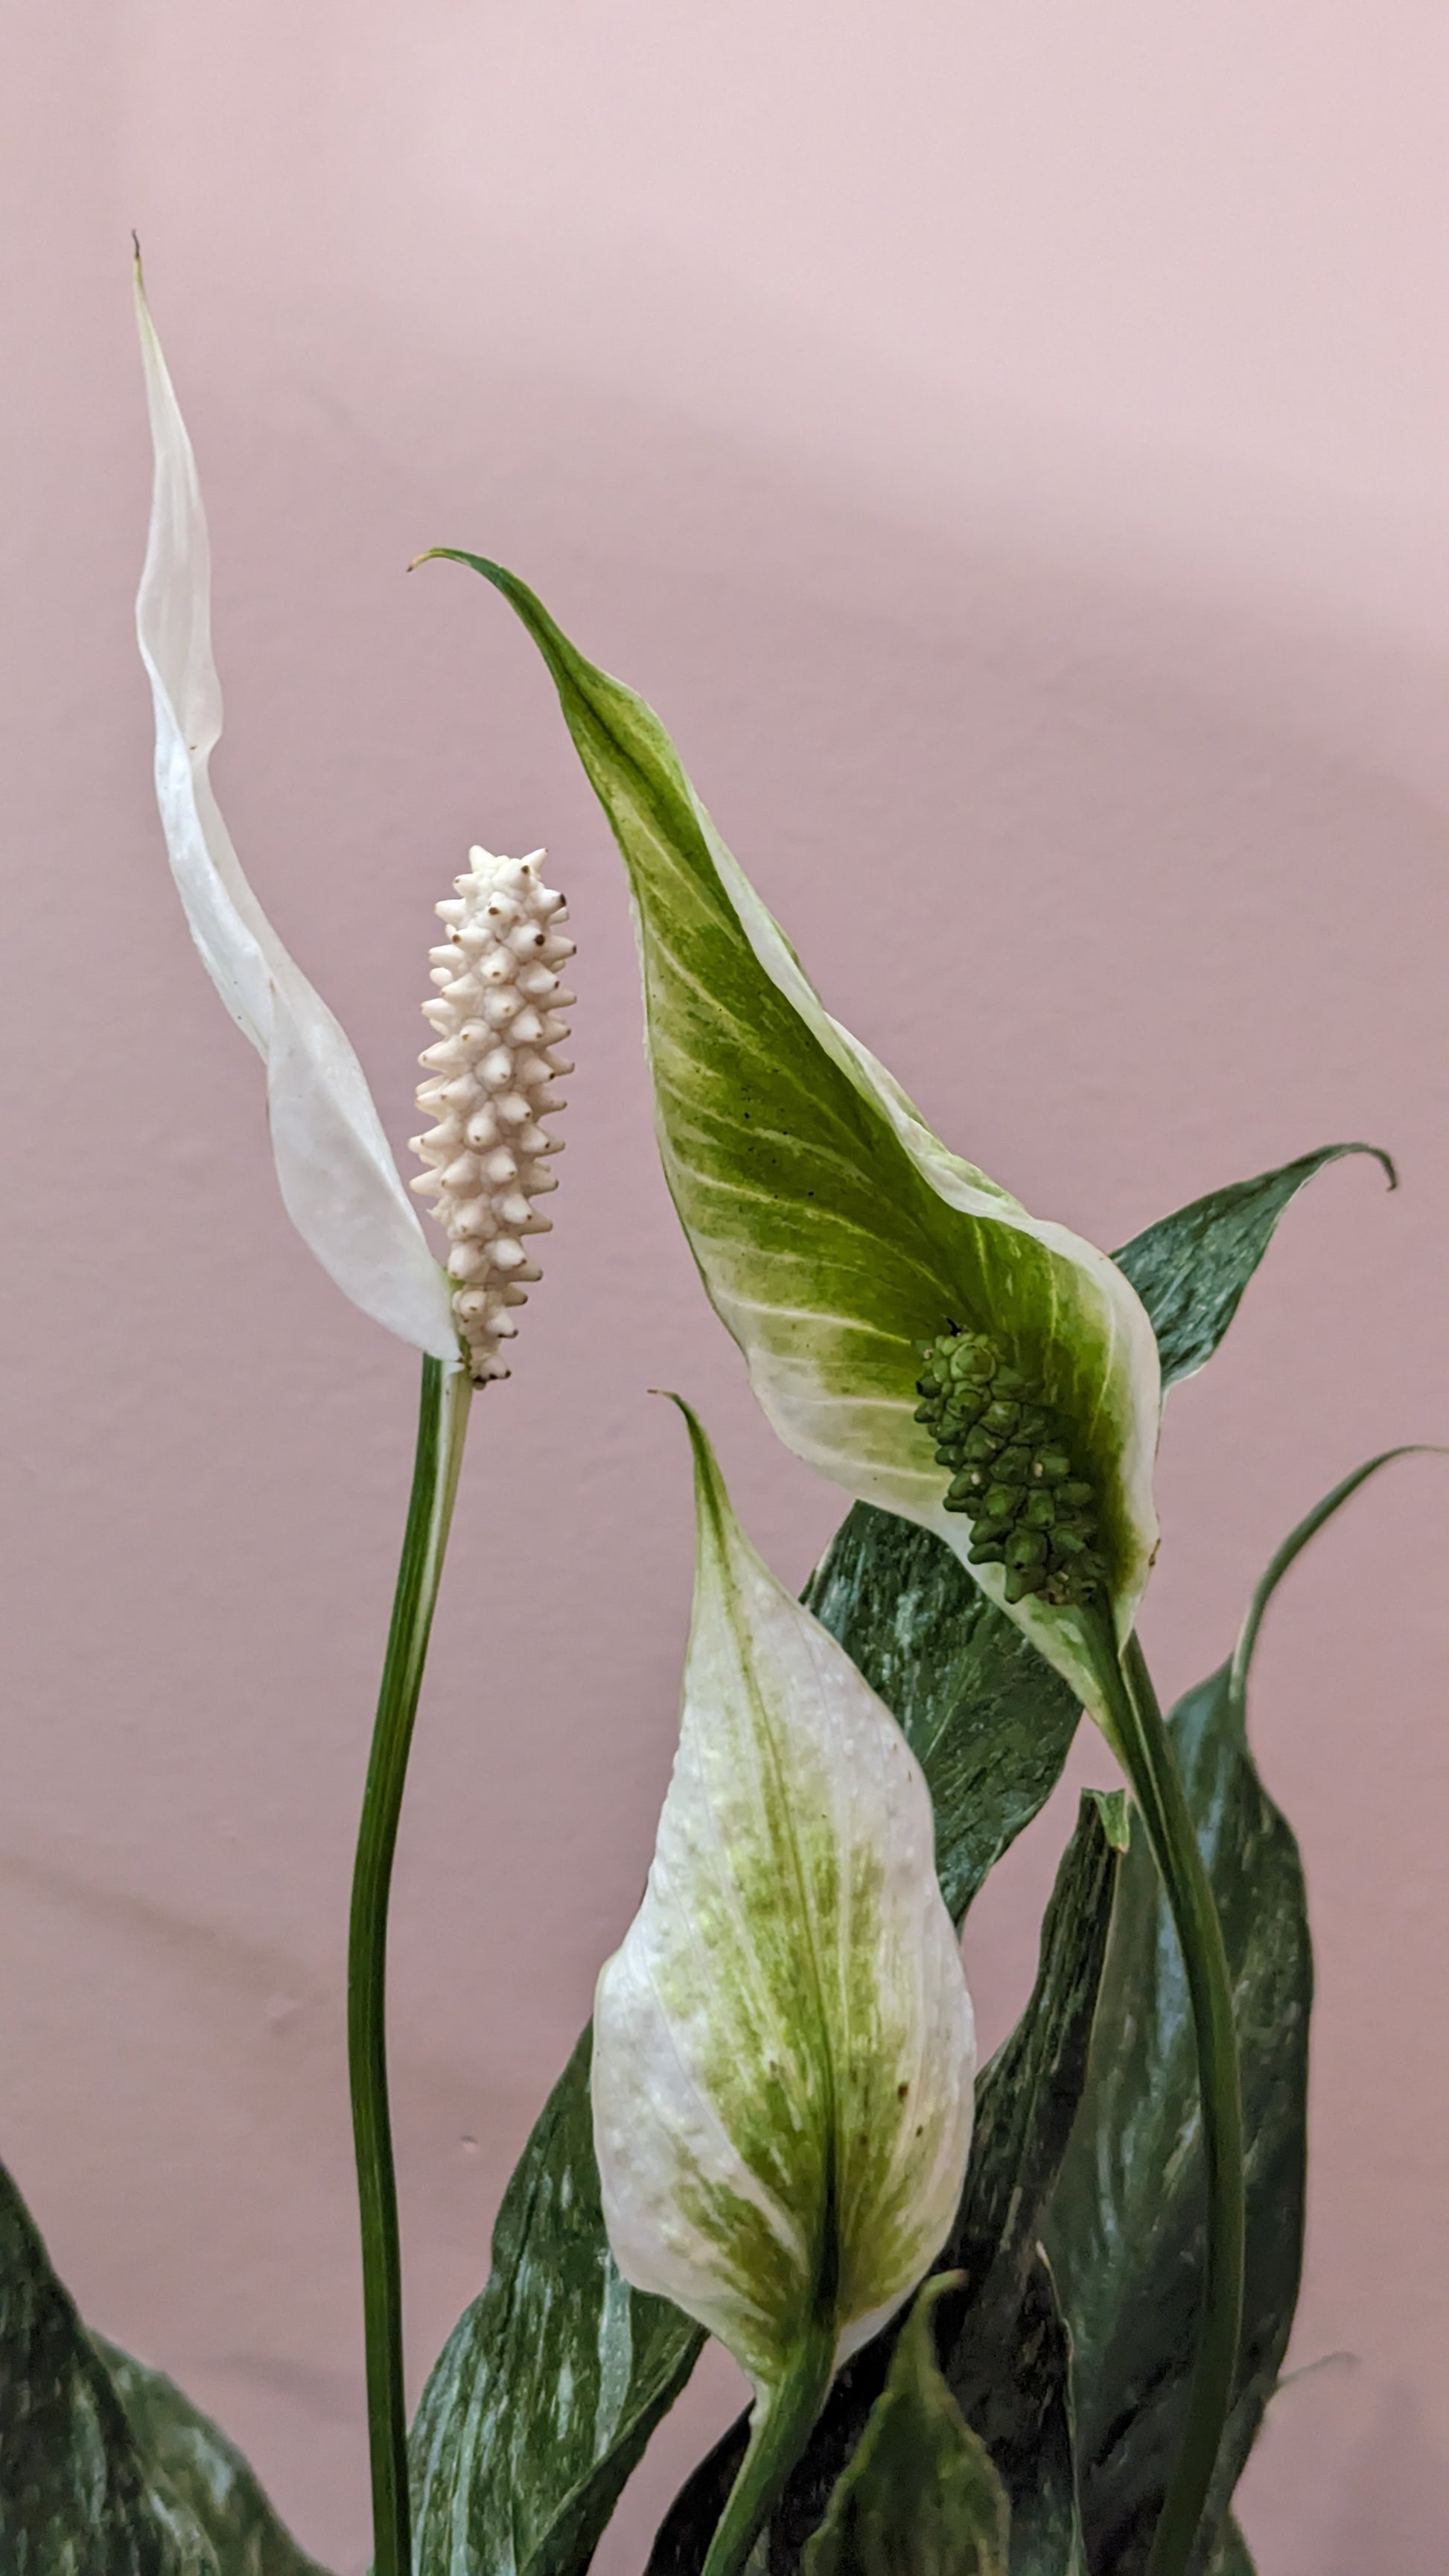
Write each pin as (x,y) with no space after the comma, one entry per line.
(1190,1270)
(919,2496)
(501,2483)
(1001,2339)
(105,2468)
(1126,2228)
(1232,2556)
(988,1721)
(203,2471)
(550,2385)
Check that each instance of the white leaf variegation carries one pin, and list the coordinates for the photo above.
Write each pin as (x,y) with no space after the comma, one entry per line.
(837,1236)
(783,2053)
(339,1183)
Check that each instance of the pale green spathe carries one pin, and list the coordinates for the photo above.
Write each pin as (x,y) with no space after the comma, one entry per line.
(784,2054)
(339,1183)
(834,1232)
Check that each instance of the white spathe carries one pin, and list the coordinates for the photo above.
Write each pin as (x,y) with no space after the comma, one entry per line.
(784,2051)
(339,1182)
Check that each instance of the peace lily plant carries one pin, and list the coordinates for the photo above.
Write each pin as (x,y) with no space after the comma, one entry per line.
(1025,2324)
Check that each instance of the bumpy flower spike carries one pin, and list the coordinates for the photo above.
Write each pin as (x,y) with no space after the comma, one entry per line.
(1012,1472)
(490,1080)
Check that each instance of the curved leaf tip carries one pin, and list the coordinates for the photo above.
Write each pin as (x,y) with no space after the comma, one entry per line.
(1294,1544)
(920,2496)
(1192,1268)
(841,1242)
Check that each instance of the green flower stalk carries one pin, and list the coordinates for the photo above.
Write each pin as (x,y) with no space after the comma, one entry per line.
(783,2052)
(344,1194)
(919,1337)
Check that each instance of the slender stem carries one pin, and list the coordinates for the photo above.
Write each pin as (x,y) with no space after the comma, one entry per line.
(442,1424)
(1147,1755)
(780,2427)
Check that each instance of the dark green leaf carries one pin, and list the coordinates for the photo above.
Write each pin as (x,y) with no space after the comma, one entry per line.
(550,2385)
(920,2496)
(1232,2556)
(1004,2348)
(1115,1809)
(1191,1268)
(988,1721)
(203,2471)
(503,2473)
(991,1726)
(1126,2227)
(1006,2353)
(105,2468)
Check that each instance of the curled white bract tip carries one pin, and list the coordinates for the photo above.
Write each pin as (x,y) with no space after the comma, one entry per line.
(335,1168)
(491,1071)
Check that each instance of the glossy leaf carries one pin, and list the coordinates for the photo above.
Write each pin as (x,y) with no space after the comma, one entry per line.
(988,1721)
(203,2470)
(1002,2342)
(505,2482)
(834,1232)
(1232,2556)
(552,2381)
(919,2496)
(1191,1269)
(991,1725)
(1125,2231)
(784,2051)
(106,2469)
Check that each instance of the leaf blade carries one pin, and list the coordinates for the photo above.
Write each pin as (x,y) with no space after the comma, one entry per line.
(882,1578)
(202,2469)
(106,2469)
(1191,1268)
(503,2480)
(919,2496)
(989,1722)
(1126,2225)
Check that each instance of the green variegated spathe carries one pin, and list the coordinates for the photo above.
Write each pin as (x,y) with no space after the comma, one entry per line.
(836,1235)
(783,2052)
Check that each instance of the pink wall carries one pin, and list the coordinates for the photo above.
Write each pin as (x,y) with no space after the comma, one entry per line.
(1013,449)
